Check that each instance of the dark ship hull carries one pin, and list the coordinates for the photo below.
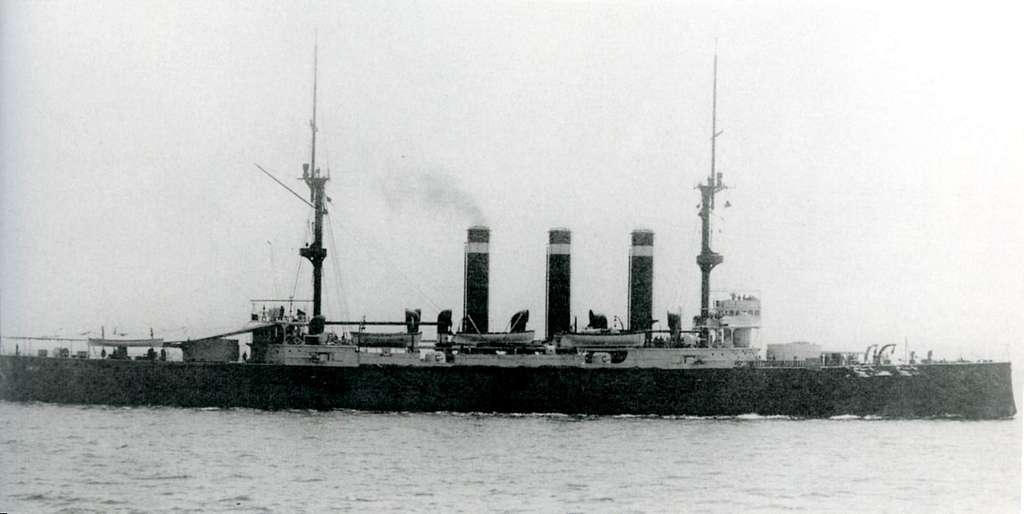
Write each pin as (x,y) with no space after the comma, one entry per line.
(968,390)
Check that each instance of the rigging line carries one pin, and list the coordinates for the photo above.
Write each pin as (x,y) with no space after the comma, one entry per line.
(383,255)
(327,157)
(695,229)
(325,149)
(273,269)
(290,190)
(298,268)
(342,302)
(405,278)
(331,303)
(295,286)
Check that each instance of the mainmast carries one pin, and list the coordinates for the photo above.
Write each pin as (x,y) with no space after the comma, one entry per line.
(315,251)
(708,259)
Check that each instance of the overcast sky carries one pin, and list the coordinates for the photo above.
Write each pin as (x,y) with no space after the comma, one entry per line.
(875,156)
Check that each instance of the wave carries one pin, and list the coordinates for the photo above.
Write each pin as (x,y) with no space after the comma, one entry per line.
(32,497)
(237,499)
(574,417)
(758,417)
(752,416)
(849,417)
(164,477)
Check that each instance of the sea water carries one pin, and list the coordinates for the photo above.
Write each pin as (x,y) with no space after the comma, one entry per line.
(110,459)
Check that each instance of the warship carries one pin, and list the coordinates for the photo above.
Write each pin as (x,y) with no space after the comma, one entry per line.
(297,360)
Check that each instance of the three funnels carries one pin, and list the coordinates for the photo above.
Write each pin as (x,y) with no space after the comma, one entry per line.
(558,283)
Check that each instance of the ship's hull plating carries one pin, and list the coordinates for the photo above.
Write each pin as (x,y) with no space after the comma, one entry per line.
(981,390)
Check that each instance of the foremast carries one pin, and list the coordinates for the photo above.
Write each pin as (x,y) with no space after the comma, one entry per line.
(315,251)
(708,258)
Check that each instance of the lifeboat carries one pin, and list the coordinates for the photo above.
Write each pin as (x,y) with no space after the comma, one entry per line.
(599,336)
(516,336)
(602,339)
(408,339)
(386,339)
(493,338)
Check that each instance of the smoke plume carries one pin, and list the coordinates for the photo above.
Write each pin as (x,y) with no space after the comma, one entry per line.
(433,192)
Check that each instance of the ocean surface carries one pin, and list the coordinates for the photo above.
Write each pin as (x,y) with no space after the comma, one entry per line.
(59,458)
